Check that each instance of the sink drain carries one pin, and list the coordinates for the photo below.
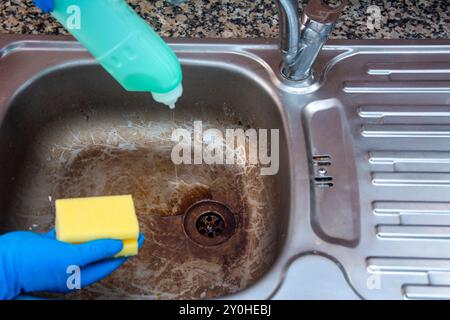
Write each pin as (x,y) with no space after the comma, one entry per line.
(209,223)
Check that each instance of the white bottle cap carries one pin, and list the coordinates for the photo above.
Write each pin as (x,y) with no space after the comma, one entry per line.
(169,98)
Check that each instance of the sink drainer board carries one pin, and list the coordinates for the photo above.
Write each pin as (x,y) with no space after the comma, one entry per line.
(386,131)
(359,209)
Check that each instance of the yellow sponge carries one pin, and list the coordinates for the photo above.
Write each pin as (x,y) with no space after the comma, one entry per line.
(86,219)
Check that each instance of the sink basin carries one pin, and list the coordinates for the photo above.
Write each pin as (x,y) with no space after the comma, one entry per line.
(101,140)
(359,208)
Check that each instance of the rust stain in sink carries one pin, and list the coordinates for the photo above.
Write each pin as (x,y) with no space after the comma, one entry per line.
(151,178)
(170,265)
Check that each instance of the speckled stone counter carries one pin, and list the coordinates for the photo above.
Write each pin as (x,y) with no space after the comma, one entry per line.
(407,19)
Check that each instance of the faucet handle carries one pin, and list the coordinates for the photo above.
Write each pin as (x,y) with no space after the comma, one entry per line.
(321,12)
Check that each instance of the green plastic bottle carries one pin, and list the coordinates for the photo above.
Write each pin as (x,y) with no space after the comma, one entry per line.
(125,45)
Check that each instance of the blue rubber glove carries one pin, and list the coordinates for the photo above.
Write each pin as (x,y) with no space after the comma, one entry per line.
(32,262)
(45,5)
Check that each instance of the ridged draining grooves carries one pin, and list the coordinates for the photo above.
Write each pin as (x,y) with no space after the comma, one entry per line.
(405,121)
(403,77)
(410,113)
(397,87)
(408,162)
(405,131)
(432,275)
(407,68)
(419,179)
(413,213)
(423,224)
(412,220)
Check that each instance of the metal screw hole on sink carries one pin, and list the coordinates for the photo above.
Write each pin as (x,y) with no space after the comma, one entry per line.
(209,223)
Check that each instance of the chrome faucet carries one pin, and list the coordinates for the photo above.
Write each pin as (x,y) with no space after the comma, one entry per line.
(301,41)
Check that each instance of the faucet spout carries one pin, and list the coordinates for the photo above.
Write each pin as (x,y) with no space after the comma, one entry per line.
(302,40)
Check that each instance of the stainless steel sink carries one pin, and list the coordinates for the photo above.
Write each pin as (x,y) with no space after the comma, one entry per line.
(360,208)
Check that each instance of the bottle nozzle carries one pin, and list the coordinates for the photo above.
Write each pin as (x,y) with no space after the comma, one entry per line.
(169,98)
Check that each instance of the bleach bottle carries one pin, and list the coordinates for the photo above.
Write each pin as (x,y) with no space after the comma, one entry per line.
(123,43)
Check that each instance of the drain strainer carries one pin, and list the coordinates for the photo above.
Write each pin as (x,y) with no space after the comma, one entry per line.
(209,223)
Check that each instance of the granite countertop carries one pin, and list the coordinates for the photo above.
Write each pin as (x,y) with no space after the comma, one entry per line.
(405,19)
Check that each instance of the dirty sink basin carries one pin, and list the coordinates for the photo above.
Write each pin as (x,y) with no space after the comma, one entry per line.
(71,131)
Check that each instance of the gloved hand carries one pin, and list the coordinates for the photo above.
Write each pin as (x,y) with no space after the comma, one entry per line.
(32,262)
(45,5)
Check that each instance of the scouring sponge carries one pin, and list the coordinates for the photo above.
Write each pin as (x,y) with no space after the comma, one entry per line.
(86,219)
